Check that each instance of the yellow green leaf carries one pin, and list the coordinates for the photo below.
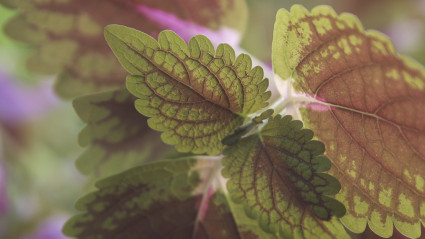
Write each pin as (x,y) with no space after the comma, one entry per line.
(194,94)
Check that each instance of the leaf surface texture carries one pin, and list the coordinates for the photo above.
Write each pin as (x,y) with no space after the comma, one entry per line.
(193,93)
(371,119)
(278,175)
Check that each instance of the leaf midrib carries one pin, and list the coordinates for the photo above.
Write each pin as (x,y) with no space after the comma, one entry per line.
(187,71)
(304,99)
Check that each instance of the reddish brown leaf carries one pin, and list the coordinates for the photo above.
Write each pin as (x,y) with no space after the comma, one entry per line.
(68,35)
(372,114)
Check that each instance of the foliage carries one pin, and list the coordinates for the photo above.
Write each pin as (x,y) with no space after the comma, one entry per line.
(277,173)
(68,35)
(116,136)
(182,87)
(336,151)
(194,95)
(368,106)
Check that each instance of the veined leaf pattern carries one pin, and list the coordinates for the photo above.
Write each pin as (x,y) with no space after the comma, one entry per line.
(195,94)
(371,119)
(279,176)
(169,199)
(130,204)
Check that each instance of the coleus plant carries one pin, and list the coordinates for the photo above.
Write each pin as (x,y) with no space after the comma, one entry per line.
(68,35)
(246,169)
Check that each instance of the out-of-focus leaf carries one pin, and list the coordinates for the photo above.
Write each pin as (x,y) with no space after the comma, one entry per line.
(68,35)
(194,94)
(371,116)
(134,203)
(277,174)
(165,199)
(117,137)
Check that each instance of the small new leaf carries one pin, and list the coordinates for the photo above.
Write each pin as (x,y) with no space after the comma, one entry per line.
(263,116)
(194,94)
(238,134)
(277,173)
(243,130)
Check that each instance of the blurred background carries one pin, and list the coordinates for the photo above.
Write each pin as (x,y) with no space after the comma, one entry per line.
(39,182)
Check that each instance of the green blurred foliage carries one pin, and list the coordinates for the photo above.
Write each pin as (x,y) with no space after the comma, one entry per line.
(42,178)
(13,54)
(38,153)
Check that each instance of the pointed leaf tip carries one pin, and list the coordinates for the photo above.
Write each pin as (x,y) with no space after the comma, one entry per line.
(195,95)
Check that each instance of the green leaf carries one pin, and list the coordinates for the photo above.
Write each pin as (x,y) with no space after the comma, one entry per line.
(133,202)
(370,116)
(68,35)
(176,198)
(263,116)
(278,175)
(116,136)
(249,226)
(194,94)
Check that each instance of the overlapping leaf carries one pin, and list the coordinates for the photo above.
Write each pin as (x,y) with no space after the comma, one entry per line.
(245,129)
(68,35)
(132,203)
(165,199)
(278,175)
(117,137)
(372,116)
(219,222)
(196,95)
